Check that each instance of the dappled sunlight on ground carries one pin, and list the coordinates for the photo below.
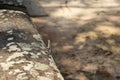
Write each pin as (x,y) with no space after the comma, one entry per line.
(83,39)
(107,31)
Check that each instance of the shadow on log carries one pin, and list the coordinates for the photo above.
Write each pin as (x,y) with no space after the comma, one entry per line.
(23,54)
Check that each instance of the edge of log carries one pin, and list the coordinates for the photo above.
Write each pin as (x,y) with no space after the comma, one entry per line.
(23,53)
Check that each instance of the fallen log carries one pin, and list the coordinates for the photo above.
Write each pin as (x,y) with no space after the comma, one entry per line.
(23,54)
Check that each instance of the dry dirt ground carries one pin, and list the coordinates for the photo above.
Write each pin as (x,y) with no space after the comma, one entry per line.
(86,45)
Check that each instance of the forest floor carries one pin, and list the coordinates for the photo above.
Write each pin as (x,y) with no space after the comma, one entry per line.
(86,46)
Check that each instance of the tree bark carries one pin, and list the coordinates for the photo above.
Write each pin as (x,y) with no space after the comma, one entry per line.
(23,54)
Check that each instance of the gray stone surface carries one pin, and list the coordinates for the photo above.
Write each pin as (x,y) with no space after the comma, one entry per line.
(34,7)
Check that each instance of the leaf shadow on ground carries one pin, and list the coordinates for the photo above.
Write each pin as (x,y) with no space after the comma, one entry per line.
(80,45)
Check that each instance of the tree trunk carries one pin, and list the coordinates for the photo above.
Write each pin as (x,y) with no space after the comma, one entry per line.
(23,54)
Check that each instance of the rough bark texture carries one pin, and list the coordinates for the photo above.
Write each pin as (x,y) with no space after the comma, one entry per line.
(23,54)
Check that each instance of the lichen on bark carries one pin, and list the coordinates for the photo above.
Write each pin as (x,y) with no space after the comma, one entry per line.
(24,55)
